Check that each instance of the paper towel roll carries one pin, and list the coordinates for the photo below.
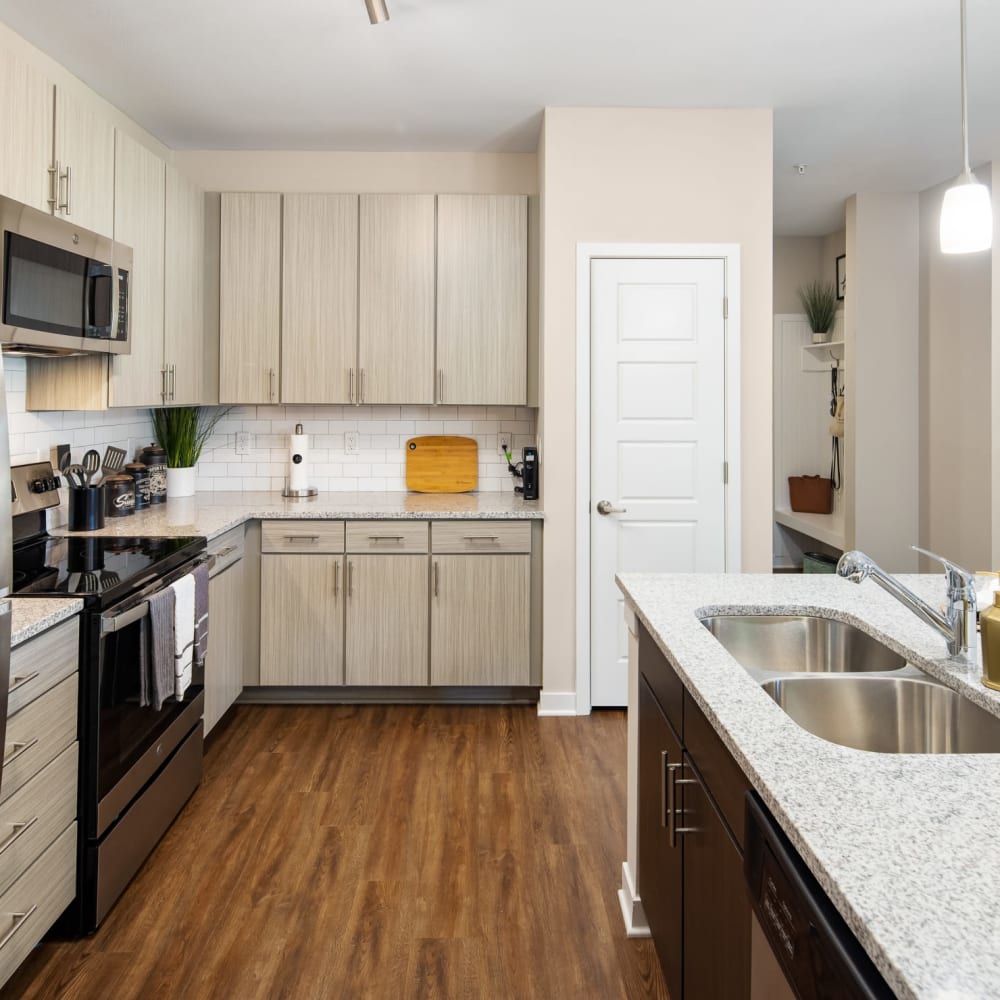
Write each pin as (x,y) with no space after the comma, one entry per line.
(298,460)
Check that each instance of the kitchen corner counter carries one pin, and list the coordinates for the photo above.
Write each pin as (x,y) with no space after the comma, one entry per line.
(902,843)
(31,616)
(212,514)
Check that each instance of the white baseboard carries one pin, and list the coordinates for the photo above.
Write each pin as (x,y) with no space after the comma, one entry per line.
(631,904)
(557,703)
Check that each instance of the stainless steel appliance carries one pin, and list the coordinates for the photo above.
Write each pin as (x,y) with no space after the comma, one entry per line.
(63,290)
(138,766)
(800,945)
(5,571)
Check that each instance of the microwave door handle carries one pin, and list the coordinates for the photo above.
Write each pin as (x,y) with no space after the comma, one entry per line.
(99,306)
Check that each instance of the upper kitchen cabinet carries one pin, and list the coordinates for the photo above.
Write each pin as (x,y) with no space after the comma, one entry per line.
(26,112)
(482,299)
(190,354)
(250,298)
(396,299)
(136,378)
(84,164)
(319,302)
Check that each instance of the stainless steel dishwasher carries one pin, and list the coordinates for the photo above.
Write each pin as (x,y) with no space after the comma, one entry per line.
(801,947)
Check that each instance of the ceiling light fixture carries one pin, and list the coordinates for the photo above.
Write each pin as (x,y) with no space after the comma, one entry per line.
(966,212)
(377,11)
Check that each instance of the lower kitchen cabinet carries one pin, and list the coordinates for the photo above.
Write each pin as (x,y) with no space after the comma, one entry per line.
(302,619)
(480,620)
(387,620)
(229,626)
(690,858)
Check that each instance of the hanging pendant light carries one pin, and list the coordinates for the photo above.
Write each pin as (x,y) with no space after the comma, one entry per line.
(967,211)
(377,11)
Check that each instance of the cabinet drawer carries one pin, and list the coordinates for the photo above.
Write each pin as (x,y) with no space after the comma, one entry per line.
(36,814)
(387,536)
(42,662)
(38,734)
(481,536)
(302,536)
(32,904)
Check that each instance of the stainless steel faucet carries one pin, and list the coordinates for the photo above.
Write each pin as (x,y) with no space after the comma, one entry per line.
(957,624)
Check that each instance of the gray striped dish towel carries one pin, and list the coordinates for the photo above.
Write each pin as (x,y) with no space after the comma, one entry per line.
(161,618)
(200,615)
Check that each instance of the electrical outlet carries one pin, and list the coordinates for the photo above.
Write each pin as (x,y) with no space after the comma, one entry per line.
(244,442)
(502,447)
(352,443)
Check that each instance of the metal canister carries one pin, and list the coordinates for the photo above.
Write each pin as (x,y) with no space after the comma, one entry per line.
(120,493)
(140,476)
(155,460)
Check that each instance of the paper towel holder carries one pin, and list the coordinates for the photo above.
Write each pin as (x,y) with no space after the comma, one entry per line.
(306,491)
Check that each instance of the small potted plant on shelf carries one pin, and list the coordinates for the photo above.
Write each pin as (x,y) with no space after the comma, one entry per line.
(819,303)
(181,432)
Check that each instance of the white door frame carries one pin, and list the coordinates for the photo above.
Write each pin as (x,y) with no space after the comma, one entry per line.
(729,254)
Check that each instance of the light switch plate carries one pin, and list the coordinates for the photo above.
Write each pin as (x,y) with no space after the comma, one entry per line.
(244,442)
(352,443)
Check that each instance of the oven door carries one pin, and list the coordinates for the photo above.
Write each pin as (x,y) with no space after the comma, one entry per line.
(132,741)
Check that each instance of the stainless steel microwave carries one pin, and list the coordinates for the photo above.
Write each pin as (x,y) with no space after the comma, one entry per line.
(63,290)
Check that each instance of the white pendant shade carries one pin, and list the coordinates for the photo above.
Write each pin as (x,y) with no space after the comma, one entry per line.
(966,219)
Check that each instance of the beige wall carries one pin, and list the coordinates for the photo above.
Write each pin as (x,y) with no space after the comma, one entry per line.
(648,175)
(955,397)
(797,261)
(455,173)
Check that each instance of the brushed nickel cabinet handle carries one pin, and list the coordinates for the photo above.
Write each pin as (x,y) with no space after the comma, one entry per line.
(673,830)
(17,682)
(440,385)
(270,384)
(20,919)
(664,774)
(163,383)
(19,750)
(336,578)
(19,830)
(350,579)
(350,391)
(173,382)
(67,176)
(363,380)
(53,198)
(386,538)
(481,538)
(301,538)
(436,575)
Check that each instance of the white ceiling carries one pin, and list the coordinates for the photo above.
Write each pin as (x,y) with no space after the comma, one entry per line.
(864,91)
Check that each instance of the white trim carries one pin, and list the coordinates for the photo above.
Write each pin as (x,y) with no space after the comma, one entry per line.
(729,253)
(632,911)
(557,703)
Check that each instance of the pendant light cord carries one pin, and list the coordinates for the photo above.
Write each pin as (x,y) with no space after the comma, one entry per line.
(965,105)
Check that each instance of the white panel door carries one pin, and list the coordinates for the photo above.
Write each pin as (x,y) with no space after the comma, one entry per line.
(658,408)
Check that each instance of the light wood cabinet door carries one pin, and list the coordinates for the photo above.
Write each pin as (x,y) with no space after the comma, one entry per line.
(250,298)
(85,148)
(224,663)
(396,299)
(190,376)
(319,300)
(301,620)
(137,378)
(387,620)
(480,618)
(482,298)
(26,113)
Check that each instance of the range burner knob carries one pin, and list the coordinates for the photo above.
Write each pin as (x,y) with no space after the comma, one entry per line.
(43,485)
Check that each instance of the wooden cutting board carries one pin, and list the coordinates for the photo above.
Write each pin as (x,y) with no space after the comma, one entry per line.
(442,463)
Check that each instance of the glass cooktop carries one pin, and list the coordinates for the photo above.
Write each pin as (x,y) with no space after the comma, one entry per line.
(96,568)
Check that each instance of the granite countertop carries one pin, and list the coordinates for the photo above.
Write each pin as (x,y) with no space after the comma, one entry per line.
(905,845)
(211,514)
(30,616)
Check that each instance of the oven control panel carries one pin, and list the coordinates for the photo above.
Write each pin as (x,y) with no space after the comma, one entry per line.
(33,487)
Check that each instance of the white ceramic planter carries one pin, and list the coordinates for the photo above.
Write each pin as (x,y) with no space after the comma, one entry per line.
(180,482)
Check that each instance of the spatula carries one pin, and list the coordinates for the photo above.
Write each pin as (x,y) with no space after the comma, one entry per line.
(91,464)
(114,460)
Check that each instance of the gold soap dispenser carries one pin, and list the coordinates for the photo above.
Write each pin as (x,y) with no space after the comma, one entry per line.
(989,628)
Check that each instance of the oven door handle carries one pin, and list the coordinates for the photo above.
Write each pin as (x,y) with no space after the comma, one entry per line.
(115,623)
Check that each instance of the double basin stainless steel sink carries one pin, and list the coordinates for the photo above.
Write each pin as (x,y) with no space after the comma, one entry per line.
(844,686)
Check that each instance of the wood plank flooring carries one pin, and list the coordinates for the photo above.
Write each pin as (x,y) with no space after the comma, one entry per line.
(379,851)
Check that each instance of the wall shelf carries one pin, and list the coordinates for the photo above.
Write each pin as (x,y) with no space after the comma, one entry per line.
(827,528)
(826,353)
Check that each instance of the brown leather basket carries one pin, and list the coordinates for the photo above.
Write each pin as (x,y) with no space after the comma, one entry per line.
(811,494)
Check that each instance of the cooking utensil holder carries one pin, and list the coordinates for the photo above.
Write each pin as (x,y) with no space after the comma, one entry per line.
(86,508)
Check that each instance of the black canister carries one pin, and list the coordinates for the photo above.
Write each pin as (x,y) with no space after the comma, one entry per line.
(120,490)
(86,508)
(140,476)
(155,460)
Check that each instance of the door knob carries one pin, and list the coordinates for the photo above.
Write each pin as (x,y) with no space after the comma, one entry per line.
(605,507)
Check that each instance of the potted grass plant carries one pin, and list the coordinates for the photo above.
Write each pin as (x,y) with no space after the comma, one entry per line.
(819,303)
(181,432)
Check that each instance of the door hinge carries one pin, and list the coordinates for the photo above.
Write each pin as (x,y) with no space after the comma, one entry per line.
(725,307)
(725,473)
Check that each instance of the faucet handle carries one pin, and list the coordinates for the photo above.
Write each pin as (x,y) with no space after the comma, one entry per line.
(961,583)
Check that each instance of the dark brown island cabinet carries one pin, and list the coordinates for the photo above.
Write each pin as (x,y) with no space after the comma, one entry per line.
(691,795)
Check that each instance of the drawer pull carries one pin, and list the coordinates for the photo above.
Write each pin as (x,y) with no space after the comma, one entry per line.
(336,578)
(20,919)
(302,538)
(19,750)
(18,682)
(482,538)
(436,578)
(386,538)
(19,829)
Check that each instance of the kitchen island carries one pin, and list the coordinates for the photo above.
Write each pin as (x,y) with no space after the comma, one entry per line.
(901,843)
